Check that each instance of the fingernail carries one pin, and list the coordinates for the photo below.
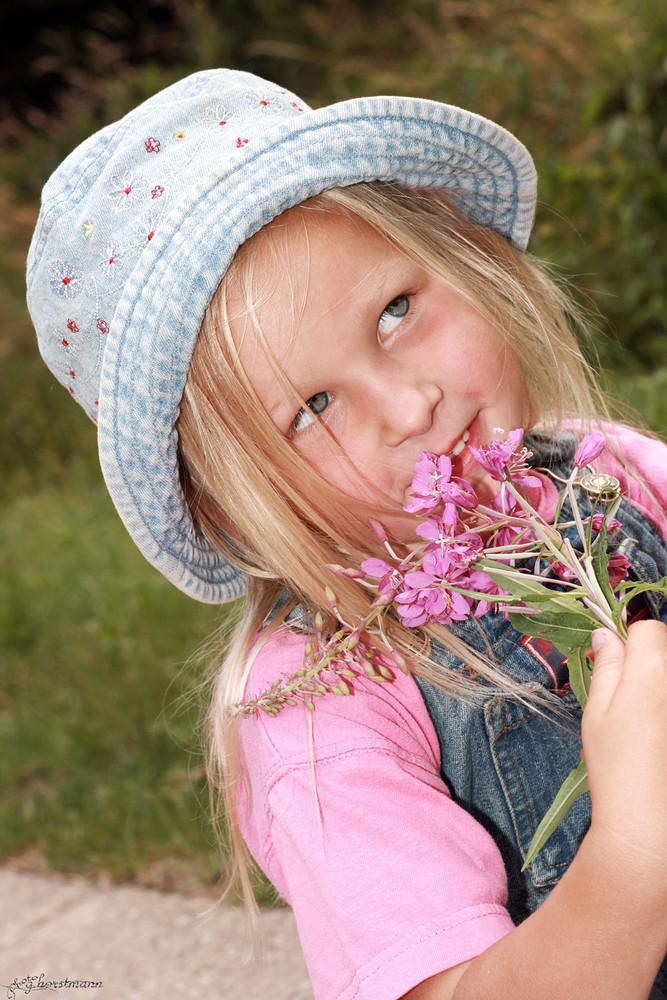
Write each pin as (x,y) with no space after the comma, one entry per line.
(599,638)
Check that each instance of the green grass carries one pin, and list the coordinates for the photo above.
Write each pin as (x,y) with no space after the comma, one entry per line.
(100,767)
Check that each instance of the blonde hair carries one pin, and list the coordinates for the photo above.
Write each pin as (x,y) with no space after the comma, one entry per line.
(274,517)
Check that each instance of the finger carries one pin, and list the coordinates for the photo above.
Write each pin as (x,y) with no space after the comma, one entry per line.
(647,646)
(608,659)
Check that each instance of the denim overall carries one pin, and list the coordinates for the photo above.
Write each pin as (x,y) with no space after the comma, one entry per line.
(504,762)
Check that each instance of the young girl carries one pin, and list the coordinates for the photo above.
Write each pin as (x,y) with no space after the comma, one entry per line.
(271,312)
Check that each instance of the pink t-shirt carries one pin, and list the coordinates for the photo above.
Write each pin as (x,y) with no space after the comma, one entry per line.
(346,811)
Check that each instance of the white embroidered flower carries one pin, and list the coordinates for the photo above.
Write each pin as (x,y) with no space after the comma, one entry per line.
(143,230)
(128,188)
(216,116)
(111,260)
(265,103)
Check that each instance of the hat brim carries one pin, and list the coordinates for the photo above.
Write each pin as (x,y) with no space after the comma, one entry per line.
(416,143)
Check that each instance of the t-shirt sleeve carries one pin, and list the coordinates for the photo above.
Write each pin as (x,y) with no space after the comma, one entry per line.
(347,813)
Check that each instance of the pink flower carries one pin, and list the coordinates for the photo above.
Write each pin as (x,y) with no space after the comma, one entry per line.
(562,571)
(505,460)
(479,580)
(389,576)
(423,601)
(617,568)
(432,484)
(448,551)
(510,534)
(589,449)
(598,519)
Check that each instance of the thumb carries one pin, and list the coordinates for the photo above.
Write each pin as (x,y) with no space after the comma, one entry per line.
(608,657)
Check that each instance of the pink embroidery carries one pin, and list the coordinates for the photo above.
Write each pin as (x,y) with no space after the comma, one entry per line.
(152,145)
(157,191)
(65,279)
(179,134)
(102,326)
(295,105)
(151,235)
(71,390)
(71,325)
(72,374)
(241,142)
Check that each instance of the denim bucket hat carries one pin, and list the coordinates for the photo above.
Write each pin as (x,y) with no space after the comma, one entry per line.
(140,222)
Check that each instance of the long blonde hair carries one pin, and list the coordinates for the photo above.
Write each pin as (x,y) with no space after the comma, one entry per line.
(276,519)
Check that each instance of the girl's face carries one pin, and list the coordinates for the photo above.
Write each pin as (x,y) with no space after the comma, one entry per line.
(390,360)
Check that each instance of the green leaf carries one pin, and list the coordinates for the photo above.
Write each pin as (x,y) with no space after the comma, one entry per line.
(568,630)
(580,674)
(574,785)
(660,588)
(601,567)
(518,584)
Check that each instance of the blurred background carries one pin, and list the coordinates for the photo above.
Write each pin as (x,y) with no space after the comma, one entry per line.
(100,767)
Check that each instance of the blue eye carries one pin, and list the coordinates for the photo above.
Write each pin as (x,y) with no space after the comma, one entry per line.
(316,405)
(393,314)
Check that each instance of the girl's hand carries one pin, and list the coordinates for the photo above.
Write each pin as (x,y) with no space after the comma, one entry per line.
(608,913)
(624,734)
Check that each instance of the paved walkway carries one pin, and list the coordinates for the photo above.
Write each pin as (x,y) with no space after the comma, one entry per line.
(139,944)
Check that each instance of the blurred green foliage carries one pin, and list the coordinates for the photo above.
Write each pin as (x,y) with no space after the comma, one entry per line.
(99,763)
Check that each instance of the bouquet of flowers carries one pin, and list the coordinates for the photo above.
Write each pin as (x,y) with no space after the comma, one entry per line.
(472,556)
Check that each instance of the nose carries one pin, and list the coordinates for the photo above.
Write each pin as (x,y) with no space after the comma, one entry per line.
(406,408)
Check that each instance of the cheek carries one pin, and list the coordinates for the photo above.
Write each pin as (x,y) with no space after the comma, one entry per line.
(499,373)
(356,474)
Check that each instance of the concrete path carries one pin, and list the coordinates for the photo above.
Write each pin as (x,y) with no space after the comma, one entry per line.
(138,944)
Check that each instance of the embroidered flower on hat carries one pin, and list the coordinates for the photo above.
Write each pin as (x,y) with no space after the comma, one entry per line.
(143,229)
(61,341)
(157,191)
(217,116)
(102,325)
(152,145)
(112,259)
(71,326)
(65,279)
(128,188)
(266,103)
(88,228)
(293,103)
(179,135)
(240,143)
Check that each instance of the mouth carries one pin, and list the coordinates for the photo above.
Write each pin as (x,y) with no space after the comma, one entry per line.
(460,445)
(464,464)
